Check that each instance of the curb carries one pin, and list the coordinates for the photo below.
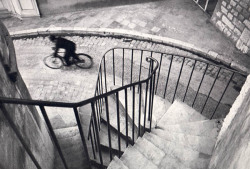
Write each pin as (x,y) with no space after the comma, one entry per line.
(121,33)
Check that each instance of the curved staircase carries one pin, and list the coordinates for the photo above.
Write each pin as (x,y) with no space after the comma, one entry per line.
(182,139)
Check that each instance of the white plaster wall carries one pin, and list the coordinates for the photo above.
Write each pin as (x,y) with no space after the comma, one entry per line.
(232,150)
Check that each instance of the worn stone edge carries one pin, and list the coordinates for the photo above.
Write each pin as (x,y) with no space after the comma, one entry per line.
(121,33)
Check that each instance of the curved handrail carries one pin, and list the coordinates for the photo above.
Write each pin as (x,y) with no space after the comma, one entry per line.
(76,104)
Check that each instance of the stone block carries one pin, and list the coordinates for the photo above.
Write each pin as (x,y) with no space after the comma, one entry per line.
(241,17)
(227,32)
(230,16)
(227,22)
(219,14)
(229,6)
(245,13)
(233,3)
(234,38)
(234,12)
(245,36)
(237,32)
(241,46)
(247,23)
(224,10)
(224,59)
(220,25)
(242,3)
(212,55)
(238,24)
(224,3)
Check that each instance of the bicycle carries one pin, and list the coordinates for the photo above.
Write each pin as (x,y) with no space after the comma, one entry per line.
(57,62)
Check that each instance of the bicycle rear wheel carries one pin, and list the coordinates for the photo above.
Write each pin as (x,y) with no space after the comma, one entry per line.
(53,62)
(85,61)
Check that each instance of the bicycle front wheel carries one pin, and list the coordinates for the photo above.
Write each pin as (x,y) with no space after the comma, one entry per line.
(53,62)
(85,61)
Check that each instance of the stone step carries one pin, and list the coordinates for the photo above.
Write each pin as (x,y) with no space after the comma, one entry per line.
(207,128)
(160,107)
(135,108)
(149,150)
(169,162)
(198,143)
(179,113)
(186,155)
(104,139)
(4,13)
(72,148)
(113,119)
(117,164)
(136,160)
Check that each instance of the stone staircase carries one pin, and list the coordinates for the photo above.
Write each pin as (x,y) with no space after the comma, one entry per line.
(4,13)
(180,138)
(183,138)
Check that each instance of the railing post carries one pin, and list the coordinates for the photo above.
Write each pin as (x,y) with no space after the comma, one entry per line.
(108,123)
(97,133)
(118,124)
(82,134)
(222,95)
(126,111)
(53,135)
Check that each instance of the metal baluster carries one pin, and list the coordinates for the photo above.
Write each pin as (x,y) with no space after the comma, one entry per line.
(132,59)
(168,76)
(158,74)
(126,111)
(21,139)
(150,95)
(81,134)
(222,95)
(152,101)
(95,140)
(190,77)
(211,89)
(118,124)
(123,66)
(97,133)
(114,65)
(133,115)
(108,123)
(178,79)
(105,73)
(53,135)
(139,120)
(145,110)
(92,144)
(200,84)
(140,65)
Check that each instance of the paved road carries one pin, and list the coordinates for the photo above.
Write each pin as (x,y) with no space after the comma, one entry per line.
(73,84)
(178,19)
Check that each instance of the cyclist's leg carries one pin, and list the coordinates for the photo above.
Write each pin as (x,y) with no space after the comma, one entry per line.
(66,57)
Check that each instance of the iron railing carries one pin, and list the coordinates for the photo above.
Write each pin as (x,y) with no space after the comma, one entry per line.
(127,82)
(200,83)
(121,72)
(97,106)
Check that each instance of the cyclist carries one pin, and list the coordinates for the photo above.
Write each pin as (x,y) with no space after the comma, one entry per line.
(69,46)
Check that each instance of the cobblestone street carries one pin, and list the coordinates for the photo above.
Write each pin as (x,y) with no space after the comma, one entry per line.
(71,84)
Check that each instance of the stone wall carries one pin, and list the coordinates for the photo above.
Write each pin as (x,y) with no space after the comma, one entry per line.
(25,118)
(232,150)
(232,17)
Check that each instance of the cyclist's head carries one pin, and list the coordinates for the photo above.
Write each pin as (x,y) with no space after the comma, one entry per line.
(52,37)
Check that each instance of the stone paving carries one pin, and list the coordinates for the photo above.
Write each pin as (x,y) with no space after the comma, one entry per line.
(71,84)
